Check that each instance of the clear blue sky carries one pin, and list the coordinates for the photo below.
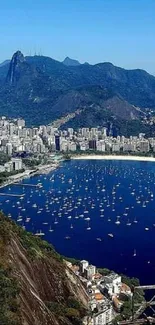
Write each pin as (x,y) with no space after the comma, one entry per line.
(118,31)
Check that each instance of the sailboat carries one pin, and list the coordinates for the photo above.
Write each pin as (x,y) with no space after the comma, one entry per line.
(117,222)
(50,229)
(128,223)
(55,222)
(88,228)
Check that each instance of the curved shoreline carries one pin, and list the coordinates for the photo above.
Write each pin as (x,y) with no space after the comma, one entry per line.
(111,157)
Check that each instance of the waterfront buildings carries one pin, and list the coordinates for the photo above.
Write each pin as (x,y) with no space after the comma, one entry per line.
(17,140)
(106,293)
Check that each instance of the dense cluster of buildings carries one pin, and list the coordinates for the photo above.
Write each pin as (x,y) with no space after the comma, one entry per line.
(106,293)
(16,137)
(96,139)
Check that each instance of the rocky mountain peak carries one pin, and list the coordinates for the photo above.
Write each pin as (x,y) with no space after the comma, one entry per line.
(70,62)
(16,61)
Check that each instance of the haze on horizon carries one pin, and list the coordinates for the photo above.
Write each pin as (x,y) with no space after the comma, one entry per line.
(120,32)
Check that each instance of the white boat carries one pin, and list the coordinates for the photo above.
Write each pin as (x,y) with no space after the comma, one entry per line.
(40,233)
(134,254)
(27,219)
(19,219)
(111,235)
(34,205)
(117,222)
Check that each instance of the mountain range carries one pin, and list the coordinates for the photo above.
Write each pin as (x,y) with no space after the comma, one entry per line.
(41,89)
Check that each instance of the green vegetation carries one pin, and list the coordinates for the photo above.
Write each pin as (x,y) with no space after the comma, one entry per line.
(3,158)
(36,249)
(104,271)
(67,156)
(9,290)
(126,311)
(9,308)
(5,175)
(102,91)
(31,162)
(72,260)
(71,309)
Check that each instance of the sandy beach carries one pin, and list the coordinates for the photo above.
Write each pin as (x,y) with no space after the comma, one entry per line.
(111,157)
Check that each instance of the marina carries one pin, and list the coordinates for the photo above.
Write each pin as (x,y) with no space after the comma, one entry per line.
(98,210)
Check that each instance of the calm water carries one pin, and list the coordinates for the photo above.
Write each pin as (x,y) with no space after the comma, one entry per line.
(82,202)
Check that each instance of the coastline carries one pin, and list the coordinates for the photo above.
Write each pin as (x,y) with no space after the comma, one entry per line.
(45,169)
(113,157)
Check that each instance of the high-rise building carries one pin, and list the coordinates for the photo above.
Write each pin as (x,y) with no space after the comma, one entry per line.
(57,142)
(9,148)
(92,144)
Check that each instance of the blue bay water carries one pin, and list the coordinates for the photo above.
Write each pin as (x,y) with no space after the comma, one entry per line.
(105,192)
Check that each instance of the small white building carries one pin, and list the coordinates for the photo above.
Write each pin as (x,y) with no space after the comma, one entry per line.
(111,284)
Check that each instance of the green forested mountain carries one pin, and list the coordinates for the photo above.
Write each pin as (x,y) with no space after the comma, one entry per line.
(41,89)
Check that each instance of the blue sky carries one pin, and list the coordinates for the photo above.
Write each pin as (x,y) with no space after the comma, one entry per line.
(118,31)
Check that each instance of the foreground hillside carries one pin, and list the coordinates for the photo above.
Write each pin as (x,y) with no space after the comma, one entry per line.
(36,287)
(41,90)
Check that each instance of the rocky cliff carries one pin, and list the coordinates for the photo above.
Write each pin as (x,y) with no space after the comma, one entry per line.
(36,286)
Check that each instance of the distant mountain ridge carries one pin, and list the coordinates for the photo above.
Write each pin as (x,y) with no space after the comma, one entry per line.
(70,62)
(4,63)
(42,89)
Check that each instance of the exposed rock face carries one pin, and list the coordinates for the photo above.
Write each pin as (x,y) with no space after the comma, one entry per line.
(42,276)
(13,73)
